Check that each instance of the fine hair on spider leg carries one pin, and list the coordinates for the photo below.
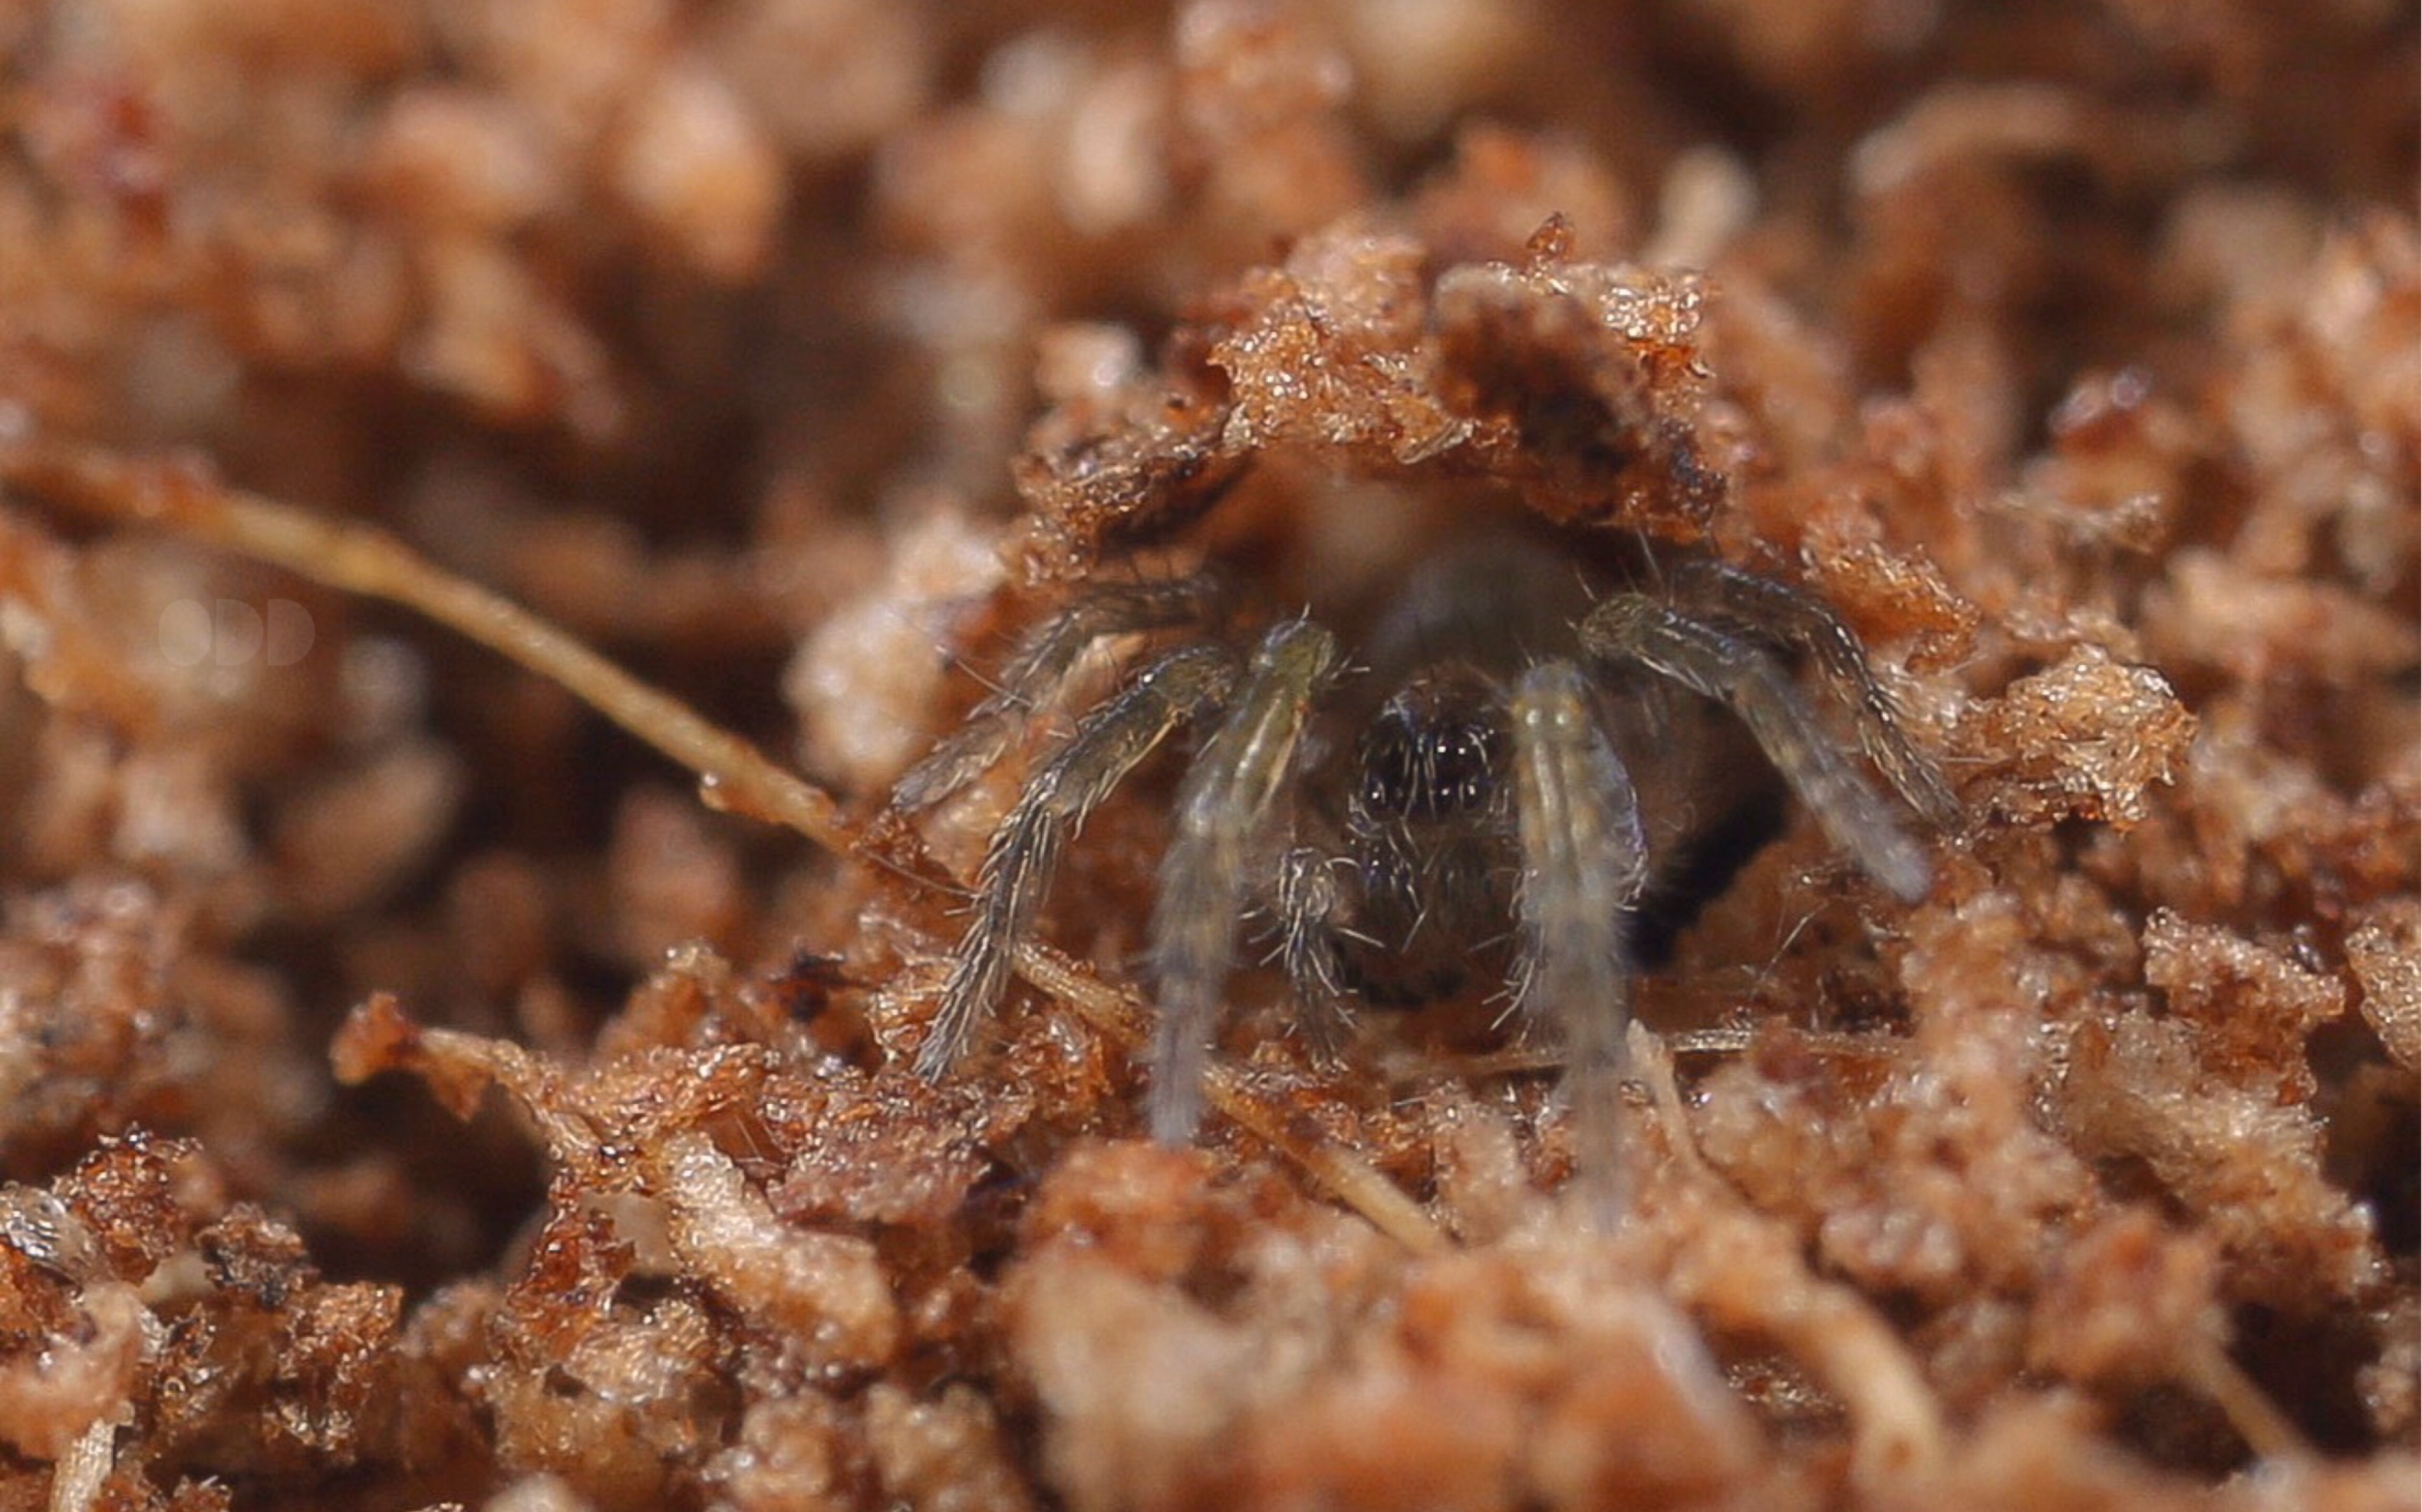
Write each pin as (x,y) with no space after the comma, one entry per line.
(1225,814)
(1761,608)
(1039,673)
(1310,900)
(1584,862)
(1707,660)
(1024,850)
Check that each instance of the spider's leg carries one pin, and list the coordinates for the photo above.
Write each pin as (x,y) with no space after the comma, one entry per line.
(1038,674)
(1584,862)
(1311,901)
(1224,813)
(1802,621)
(1721,664)
(1026,849)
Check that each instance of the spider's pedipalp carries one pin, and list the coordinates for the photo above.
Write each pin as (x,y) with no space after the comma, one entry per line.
(1719,664)
(1585,862)
(1040,669)
(1224,811)
(1309,904)
(1802,621)
(1024,851)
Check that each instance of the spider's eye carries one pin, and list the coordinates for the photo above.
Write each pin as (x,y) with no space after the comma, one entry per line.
(1421,760)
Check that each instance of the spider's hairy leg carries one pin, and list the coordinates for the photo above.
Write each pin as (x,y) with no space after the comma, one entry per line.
(1720,664)
(1024,850)
(1584,862)
(1224,813)
(1806,622)
(1038,674)
(1310,902)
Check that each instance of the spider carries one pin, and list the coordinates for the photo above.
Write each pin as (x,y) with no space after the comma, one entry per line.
(1522,742)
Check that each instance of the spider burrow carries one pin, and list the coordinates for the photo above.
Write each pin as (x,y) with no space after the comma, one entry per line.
(1518,743)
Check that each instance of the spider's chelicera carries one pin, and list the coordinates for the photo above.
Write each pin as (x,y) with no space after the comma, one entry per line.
(1516,745)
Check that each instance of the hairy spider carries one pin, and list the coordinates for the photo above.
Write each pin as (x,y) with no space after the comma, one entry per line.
(1521,745)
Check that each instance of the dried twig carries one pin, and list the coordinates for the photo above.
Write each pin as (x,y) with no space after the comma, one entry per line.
(181,497)
(1348,1176)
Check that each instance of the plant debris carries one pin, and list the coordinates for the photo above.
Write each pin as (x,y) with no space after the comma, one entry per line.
(412,1094)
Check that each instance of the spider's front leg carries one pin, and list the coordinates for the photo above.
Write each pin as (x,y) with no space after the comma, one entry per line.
(1719,664)
(1226,812)
(1024,850)
(1761,606)
(1585,863)
(1039,673)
